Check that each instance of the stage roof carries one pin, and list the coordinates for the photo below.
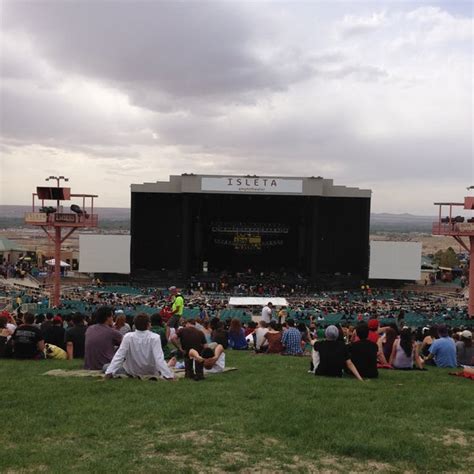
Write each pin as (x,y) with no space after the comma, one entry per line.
(257,301)
(263,185)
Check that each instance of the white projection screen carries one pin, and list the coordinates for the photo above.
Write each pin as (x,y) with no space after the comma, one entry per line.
(104,253)
(395,260)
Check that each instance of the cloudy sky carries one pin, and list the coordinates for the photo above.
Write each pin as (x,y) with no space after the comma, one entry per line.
(372,94)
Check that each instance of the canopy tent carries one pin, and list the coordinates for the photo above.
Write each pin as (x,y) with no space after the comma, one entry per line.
(257,301)
(52,262)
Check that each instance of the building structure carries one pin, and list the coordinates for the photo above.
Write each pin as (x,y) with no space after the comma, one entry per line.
(194,224)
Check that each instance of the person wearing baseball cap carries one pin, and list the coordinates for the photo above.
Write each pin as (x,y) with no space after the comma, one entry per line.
(465,349)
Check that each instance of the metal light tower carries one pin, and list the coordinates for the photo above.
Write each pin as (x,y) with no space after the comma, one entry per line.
(49,218)
(459,227)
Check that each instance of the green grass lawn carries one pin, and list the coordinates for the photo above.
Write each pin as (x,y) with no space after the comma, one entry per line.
(269,416)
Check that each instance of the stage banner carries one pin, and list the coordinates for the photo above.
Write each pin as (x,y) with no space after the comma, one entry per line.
(234,184)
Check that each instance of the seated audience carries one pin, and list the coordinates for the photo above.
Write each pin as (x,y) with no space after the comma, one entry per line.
(273,337)
(291,339)
(389,337)
(363,353)
(212,359)
(237,338)
(220,335)
(465,349)
(430,336)
(75,337)
(101,340)
(404,353)
(192,338)
(443,350)
(54,333)
(121,323)
(333,355)
(261,344)
(159,327)
(27,340)
(140,353)
(4,336)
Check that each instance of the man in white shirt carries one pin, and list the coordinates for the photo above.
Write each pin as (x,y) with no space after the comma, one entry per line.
(140,353)
(267,313)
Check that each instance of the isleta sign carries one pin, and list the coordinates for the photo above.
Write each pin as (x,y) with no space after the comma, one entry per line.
(232,184)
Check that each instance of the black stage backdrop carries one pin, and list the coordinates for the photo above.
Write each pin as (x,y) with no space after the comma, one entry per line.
(306,234)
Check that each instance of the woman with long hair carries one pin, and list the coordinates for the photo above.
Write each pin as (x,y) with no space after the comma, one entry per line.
(387,341)
(273,338)
(121,324)
(430,336)
(404,354)
(237,335)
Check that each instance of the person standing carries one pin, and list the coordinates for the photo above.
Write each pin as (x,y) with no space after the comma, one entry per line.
(177,306)
(267,312)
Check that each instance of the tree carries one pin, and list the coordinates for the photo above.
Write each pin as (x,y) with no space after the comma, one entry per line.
(446,258)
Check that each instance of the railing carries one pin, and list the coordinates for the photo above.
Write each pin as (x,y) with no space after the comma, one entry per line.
(63,218)
(453,228)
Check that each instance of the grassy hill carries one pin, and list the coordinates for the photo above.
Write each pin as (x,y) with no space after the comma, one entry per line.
(268,416)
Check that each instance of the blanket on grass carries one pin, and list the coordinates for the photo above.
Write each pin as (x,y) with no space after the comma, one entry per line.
(179,373)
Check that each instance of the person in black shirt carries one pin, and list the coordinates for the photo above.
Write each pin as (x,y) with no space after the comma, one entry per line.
(75,337)
(28,341)
(333,355)
(54,334)
(363,353)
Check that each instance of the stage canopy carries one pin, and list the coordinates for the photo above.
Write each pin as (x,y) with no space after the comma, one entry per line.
(52,262)
(257,301)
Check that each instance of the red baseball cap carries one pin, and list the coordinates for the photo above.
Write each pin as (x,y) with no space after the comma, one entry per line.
(373,324)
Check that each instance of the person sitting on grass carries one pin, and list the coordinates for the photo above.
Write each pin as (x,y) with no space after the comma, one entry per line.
(192,338)
(54,334)
(291,339)
(237,340)
(28,340)
(273,338)
(220,335)
(212,359)
(101,340)
(140,353)
(404,352)
(333,355)
(4,336)
(75,338)
(363,353)
(443,350)
(261,344)
(465,349)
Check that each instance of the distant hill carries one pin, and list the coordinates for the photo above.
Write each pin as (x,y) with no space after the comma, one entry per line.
(111,213)
(111,217)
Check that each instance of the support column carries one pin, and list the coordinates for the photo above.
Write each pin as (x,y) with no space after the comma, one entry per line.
(57,265)
(471,277)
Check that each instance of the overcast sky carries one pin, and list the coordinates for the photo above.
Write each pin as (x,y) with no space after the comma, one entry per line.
(377,95)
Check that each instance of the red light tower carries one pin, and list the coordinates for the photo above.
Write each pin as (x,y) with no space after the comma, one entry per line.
(458,227)
(48,218)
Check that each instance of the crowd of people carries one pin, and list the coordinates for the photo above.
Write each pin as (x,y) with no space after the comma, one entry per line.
(162,343)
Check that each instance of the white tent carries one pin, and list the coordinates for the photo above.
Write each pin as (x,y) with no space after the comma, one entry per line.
(52,262)
(257,301)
